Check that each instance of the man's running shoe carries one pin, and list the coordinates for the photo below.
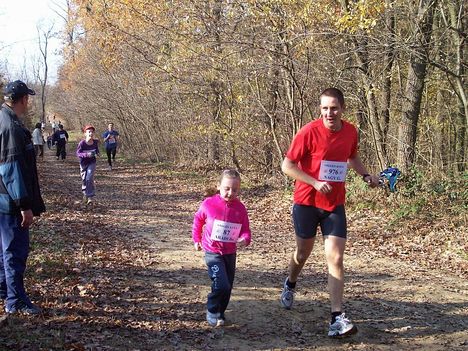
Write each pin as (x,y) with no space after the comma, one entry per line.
(287,296)
(341,327)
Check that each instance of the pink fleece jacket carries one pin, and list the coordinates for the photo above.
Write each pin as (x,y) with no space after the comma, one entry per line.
(216,217)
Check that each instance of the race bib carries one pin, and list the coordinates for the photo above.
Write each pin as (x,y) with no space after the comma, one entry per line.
(333,171)
(225,231)
(62,136)
(111,140)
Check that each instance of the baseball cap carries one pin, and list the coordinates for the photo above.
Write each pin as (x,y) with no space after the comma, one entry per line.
(17,89)
(89,126)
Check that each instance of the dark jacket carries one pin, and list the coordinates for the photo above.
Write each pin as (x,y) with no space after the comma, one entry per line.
(60,137)
(19,185)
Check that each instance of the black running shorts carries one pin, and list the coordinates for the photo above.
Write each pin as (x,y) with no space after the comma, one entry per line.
(308,218)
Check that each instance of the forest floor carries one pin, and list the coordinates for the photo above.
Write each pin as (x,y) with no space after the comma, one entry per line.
(122,273)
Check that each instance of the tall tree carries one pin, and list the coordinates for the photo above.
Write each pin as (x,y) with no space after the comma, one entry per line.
(416,75)
(44,36)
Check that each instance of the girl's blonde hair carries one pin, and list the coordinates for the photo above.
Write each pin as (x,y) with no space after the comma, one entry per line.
(227,173)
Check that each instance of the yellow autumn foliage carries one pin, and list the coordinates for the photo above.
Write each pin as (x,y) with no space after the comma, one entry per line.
(361,15)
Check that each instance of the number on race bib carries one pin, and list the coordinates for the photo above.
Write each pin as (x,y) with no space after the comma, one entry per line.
(225,231)
(333,171)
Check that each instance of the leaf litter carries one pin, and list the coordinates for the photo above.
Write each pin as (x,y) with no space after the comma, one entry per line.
(122,274)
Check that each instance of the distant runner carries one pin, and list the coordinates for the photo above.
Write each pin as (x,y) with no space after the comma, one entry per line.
(60,139)
(87,151)
(38,141)
(110,139)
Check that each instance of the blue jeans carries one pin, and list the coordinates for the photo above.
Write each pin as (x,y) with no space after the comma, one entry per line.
(87,179)
(221,270)
(14,245)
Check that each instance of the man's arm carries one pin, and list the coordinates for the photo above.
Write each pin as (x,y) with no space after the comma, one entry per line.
(356,164)
(291,169)
(13,174)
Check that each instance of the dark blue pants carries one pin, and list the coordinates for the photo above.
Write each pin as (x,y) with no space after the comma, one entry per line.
(221,270)
(14,245)
(61,151)
(111,153)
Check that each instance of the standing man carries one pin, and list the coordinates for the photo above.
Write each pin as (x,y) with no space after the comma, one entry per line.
(110,139)
(60,139)
(20,198)
(317,160)
(38,140)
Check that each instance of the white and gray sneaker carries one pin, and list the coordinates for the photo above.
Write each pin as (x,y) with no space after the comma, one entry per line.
(287,296)
(212,318)
(341,327)
(220,322)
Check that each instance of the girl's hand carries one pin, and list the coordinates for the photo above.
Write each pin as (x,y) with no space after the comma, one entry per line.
(198,246)
(241,243)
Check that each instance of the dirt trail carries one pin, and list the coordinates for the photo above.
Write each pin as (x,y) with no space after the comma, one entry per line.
(134,282)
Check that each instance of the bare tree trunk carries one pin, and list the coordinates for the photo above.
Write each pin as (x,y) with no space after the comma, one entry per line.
(459,25)
(378,118)
(389,59)
(216,89)
(411,104)
(43,38)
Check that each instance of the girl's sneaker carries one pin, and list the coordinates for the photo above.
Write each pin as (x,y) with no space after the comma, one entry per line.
(220,322)
(212,318)
(341,327)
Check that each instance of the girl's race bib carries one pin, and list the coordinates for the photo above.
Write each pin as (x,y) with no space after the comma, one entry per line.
(333,171)
(225,231)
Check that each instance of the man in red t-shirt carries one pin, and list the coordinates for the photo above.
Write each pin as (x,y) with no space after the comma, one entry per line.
(318,160)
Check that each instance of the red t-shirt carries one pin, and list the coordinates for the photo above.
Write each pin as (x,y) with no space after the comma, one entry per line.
(313,147)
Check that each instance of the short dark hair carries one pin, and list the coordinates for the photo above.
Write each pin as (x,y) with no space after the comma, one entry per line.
(38,125)
(334,92)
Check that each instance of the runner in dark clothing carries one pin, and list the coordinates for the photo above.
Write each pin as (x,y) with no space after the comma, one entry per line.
(60,139)
(110,139)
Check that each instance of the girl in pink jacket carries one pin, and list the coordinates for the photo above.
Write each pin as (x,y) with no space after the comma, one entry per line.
(220,226)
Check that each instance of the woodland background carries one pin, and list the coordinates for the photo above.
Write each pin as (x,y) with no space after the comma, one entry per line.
(196,86)
(210,84)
